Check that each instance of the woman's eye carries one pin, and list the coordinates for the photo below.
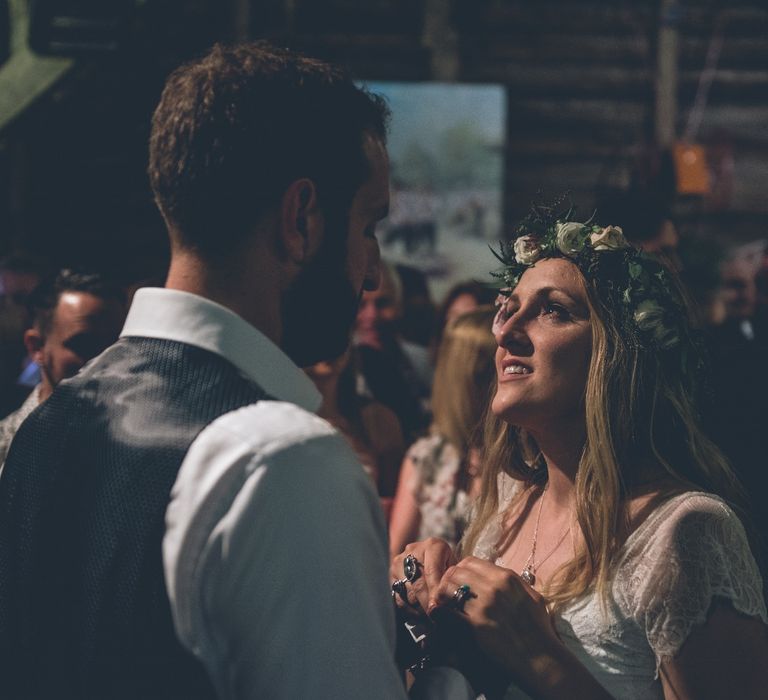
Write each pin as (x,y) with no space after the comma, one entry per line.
(555,310)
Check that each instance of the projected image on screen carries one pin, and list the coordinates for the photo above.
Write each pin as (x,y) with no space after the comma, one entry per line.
(446,147)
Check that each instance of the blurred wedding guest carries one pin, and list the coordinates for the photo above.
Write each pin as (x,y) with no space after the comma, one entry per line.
(739,347)
(418,316)
(739,281)
(700,261)
(438,479)
(761,279)
(386,372)
(19,275)
(372,429)
(74,317)
(461,298)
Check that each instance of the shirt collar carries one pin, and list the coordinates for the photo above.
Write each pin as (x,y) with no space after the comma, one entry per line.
(170,314)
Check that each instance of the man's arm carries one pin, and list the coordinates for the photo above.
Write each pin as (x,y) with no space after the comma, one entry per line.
(287,595)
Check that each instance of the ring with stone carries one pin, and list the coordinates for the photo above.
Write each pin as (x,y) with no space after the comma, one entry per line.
(399,589)
(461,594)
(411,568)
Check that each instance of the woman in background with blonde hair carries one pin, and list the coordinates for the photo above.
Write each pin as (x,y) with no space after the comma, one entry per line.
(438,478)
(607,557)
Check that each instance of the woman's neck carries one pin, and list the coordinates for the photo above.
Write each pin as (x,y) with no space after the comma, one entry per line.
(562,449)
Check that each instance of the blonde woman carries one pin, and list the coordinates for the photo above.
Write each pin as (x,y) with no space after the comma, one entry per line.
(438,476)
(600,562)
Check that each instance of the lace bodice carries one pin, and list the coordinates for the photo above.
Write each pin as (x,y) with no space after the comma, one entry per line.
(691,549)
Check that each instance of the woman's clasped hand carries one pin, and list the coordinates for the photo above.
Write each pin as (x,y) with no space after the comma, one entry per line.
(510,628)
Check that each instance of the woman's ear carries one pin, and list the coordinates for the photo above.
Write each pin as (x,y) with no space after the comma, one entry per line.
(301,222)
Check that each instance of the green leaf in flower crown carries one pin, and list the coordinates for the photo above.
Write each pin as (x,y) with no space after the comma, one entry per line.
(635,270)
(500,255)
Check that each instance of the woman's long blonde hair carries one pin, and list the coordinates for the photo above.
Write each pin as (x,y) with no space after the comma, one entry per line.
(640,414)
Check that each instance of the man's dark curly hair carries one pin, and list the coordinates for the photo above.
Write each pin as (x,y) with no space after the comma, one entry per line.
(236,127)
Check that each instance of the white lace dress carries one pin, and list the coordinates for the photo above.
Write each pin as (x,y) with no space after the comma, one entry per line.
(691,549)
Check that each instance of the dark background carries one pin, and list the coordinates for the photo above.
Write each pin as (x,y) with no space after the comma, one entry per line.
(580,75)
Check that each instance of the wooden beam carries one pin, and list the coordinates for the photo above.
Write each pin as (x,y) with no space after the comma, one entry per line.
(666,73)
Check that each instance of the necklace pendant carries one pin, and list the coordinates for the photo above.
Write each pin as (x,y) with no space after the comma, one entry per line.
(528,576)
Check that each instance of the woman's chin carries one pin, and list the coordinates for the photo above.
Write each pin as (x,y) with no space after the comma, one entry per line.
(509,412)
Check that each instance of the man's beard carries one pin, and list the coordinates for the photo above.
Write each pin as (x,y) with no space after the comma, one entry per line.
(320,307)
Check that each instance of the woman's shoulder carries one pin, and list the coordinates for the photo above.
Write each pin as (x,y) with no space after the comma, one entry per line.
(691,549)
(670,519)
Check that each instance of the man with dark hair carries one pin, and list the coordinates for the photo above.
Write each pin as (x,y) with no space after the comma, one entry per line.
(74,317)
(174,521)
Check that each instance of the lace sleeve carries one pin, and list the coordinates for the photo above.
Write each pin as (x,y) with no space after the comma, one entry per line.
(698,551)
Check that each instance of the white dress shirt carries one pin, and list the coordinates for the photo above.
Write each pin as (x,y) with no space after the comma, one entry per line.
(275,550)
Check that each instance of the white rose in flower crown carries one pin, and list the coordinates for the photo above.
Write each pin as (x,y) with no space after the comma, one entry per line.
(610,238)
(649,317)
(527,250)
(570,237)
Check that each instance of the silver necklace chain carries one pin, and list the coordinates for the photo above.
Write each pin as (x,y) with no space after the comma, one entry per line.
(529,570)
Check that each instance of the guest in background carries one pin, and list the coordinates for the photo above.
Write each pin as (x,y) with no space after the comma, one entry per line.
(418,317)
(387,373)
(19,275)
(739,347)
(369,426)
(461,298)
(438,477)
(700,260)
(74,317)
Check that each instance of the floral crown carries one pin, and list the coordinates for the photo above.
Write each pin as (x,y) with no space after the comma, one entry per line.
(649,305)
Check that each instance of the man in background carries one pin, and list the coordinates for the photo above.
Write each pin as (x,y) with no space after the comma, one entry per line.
(74,317)
(396,373)
(738,348)
(19,275)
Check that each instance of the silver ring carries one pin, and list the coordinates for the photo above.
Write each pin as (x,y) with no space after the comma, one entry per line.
(461,594)
(411,568)
(399,589)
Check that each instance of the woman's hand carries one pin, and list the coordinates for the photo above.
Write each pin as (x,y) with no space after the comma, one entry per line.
(509,619)
(433,558)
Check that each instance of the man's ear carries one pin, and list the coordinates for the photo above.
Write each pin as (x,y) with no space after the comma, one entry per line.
(34,342)
(301,221)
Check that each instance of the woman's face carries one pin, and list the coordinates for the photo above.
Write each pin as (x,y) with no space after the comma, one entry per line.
(545,344)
